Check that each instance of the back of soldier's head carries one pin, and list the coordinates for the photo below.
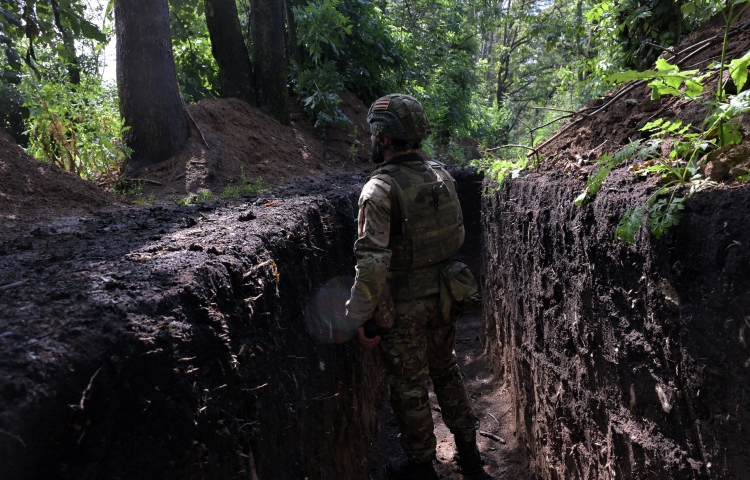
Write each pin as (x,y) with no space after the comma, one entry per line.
(401,118)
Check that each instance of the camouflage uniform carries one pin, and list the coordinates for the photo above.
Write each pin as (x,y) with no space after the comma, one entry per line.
(420,345)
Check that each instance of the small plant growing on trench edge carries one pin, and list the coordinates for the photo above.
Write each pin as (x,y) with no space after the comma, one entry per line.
(680,168)
(133,190)
(201,197)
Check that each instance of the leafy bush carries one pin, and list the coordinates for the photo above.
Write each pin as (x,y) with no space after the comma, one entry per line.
(322,29)
(319,91)
(76,127)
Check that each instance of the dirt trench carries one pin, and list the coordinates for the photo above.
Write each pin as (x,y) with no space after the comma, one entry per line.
(623,361)
(172,343)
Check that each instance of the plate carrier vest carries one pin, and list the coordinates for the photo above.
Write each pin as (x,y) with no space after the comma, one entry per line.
(426,221)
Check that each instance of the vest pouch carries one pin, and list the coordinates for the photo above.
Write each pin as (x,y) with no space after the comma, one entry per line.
(458,284)
(385,311)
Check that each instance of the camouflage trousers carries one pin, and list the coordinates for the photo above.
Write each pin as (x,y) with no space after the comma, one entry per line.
(418,348)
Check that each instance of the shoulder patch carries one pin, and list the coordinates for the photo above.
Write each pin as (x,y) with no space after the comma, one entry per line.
(376,190)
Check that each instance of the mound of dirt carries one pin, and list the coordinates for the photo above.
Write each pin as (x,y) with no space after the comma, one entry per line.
(232,141)
(609,123)
(30,189)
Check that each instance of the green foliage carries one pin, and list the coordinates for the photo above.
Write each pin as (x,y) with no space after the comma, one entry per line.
(321,28)
(133,190)
(76,127)
(607,162)
(197,72)
(230,192)
(249,187)
(33,23)
(634,33)
(500,169)
(319,92)
(667,79)
(630,223)
(723,121)
(202,196)
(665,214)
(12,112)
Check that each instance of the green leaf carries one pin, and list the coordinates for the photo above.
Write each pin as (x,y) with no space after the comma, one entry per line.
(11,18)
(693,89)
(91,31)
(629,225)
(664,66)
(738,71)
(580,198)
(665,214)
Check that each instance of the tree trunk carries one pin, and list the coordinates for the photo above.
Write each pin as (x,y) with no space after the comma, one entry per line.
(149,96)
(229,50)
(270,59)
(294,51)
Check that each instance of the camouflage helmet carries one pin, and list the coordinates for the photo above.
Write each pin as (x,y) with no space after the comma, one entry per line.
(400,117)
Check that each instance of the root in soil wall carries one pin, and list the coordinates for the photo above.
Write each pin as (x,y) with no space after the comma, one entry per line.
(171,343)
(624,361)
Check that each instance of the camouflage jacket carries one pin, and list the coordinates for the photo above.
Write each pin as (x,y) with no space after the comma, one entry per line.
(373,247)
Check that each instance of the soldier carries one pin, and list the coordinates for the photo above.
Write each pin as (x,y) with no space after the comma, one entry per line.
(407,293)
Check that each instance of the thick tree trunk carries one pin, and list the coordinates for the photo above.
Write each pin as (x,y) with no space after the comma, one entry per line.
(229,50)
(149,96)
(270,59)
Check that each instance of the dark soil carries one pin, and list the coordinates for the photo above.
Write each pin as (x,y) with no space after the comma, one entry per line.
(623,361)
(171,343)
(31,190)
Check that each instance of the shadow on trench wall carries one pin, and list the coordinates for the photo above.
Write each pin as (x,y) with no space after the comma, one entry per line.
(624,361)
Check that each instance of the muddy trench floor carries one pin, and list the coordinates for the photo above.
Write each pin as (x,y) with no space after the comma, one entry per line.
(504,458)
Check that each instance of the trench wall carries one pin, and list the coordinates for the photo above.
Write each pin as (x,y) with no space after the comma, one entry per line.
(171,343)
(624,361)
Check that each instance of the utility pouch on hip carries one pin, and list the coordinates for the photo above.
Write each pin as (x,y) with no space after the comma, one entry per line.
(385,311)
(457,285)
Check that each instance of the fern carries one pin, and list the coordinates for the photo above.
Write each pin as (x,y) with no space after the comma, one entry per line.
(606,163)
(630,224)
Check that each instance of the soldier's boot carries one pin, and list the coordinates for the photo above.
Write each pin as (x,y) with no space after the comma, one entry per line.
(468,456)
(405,469)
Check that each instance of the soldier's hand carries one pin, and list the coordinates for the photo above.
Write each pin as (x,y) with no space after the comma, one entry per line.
(368,343)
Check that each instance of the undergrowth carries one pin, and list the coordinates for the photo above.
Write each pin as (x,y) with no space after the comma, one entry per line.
(679,171)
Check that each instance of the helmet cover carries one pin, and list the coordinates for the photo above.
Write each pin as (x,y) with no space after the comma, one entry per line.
(400,117)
